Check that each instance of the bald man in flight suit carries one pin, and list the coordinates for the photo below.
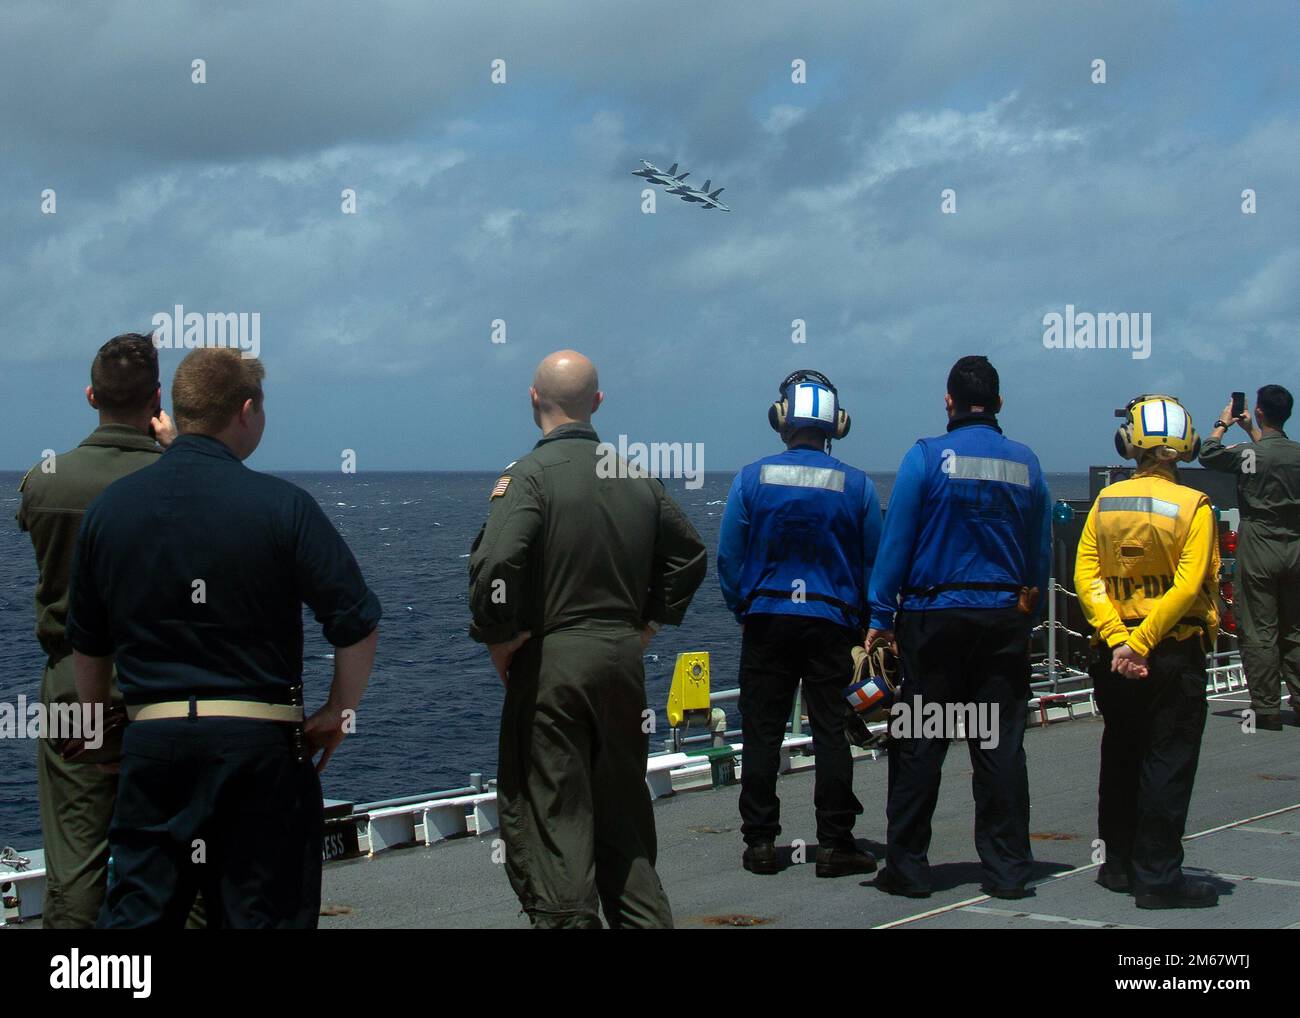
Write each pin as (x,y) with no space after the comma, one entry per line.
(570,577)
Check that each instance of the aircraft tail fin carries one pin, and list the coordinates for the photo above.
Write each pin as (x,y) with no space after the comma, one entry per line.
(672,169)
(707,183)
(717,192)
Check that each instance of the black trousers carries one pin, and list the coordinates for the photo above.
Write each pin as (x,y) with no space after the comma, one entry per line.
(776,652)
(1149,752)
(220,805)
(963,656)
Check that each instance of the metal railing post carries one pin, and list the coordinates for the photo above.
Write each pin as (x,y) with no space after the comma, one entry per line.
(1051,631)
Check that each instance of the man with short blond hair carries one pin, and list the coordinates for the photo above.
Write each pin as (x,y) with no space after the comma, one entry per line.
(209,389)
(191,574)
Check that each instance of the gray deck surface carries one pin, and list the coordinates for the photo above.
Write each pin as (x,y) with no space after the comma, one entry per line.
(1256,864)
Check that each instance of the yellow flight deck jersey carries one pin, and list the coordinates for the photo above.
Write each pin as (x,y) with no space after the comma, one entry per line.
(1148,563)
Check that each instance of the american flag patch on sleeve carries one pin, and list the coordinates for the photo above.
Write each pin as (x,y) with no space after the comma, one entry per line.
(500,488)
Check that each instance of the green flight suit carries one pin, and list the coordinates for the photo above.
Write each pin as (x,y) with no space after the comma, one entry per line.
(1268,563)
(583,561)
(76,799)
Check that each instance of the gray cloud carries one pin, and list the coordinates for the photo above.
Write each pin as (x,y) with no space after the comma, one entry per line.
(479,202)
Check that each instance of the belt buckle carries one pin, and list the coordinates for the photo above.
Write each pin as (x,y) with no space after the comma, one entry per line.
(301,751)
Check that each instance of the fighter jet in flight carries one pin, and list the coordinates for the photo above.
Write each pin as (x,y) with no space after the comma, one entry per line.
(655,175)
(703,197)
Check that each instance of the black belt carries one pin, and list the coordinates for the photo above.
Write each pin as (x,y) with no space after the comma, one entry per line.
(785,595)
(1186,620)
(939,588)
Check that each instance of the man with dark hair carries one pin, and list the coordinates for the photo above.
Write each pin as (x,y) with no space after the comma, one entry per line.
(124,374)
(1273,406)
(1268,549)
(192,575)
(965,552)
(76,797)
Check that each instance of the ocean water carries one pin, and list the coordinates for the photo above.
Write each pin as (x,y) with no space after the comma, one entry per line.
(430,715)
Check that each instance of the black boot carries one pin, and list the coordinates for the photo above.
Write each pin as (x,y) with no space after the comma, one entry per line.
(1188,894)
(1114,880)
(1268,723)
(760,857)
(885,882)
(1008,893)
(844,862)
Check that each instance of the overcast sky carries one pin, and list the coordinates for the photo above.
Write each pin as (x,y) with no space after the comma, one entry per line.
(479,201)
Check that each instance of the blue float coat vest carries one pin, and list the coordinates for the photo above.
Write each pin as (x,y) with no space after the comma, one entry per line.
(805,550)
(978,527)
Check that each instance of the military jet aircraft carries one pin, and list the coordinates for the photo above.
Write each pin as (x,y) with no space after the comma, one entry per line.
(655,175)
(703,197)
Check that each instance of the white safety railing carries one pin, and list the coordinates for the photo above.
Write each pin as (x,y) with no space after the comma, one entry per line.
(433,820)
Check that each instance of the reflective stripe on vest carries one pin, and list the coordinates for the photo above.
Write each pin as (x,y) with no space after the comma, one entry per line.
(795,476)
(1138,504)
(986,468)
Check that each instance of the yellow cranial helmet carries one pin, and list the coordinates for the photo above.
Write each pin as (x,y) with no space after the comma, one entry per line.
(1160,424)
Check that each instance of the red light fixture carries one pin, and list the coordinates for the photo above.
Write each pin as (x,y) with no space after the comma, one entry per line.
(1229,544)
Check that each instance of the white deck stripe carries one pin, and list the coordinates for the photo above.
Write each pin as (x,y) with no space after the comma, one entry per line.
(1096,924)
(1069,873)
(1271,881)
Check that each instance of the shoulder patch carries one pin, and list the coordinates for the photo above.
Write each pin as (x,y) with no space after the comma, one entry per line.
(500,488)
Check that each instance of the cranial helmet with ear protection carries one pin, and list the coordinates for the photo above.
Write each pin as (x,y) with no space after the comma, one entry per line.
(808,400)
(1160,424)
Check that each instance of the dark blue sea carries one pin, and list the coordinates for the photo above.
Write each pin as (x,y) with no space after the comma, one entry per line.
(430,715)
